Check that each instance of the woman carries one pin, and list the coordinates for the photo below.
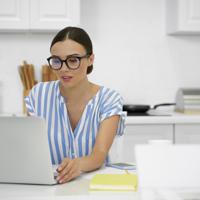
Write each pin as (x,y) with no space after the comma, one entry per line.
(82,117)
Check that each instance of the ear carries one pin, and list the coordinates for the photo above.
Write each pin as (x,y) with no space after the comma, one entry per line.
(91,59)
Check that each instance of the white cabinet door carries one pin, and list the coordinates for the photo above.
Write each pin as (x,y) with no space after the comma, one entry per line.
(187,133)
(54,15)
(14,14)
(183,16)
(141,134)
(36,15)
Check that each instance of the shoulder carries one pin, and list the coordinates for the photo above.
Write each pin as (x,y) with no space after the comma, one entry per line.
(40,95)
(108,97)
(111,103)
(109,93)
(45,86)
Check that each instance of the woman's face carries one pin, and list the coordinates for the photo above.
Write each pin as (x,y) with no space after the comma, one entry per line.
(69,48)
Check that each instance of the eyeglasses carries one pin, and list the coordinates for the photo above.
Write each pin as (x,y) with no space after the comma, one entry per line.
(72,62)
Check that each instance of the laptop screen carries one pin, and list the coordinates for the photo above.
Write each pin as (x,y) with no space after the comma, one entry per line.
(24,145)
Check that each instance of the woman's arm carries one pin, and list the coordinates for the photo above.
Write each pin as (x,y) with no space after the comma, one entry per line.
(71,168)
(104,140)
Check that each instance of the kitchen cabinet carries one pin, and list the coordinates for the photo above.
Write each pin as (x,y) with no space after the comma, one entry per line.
(14,14)
(38,15)
(187,134)
(183,16)
(179,128)
(141,134)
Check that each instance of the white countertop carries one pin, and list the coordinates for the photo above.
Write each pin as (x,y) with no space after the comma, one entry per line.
(166,118)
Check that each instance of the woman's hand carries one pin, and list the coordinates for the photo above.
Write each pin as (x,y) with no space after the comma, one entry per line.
(68,170)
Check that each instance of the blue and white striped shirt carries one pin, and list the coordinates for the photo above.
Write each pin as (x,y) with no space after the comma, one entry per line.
(46,101)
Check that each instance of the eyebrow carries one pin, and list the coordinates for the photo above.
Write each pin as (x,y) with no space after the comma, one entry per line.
(71,55)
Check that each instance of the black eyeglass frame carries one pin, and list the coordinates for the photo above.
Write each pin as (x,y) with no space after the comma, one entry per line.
(65,61)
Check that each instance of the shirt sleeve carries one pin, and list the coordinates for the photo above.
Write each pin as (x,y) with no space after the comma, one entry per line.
(30,101)
(113,105)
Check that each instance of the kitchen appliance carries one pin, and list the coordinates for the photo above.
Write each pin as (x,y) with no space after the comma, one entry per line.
(144,109)
(188,100)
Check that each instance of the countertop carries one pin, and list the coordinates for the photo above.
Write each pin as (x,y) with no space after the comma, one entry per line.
(164,118)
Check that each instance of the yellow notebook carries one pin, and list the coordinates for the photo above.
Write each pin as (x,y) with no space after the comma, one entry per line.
(114,182)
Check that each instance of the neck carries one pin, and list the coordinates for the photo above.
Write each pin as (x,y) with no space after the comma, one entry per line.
(76,93)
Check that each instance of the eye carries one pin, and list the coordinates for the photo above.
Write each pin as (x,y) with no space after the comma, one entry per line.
(73,60)
(55,61)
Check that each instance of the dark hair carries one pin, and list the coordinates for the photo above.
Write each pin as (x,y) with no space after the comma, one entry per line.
(78,35)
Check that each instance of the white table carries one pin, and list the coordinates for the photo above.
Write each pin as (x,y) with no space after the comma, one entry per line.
(79,190)
(76,189)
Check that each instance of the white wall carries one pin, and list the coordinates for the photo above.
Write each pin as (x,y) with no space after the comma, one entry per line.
(133,53)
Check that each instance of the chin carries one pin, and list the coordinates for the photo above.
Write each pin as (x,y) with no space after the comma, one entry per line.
(66,84)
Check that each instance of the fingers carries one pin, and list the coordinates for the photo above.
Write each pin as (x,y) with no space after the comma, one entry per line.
(69,176)
(65,171)
(68,170)
(63,164)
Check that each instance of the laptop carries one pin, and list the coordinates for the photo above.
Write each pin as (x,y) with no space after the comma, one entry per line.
(24,151)
(170,169)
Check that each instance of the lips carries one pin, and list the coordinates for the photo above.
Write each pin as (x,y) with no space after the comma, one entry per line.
(66,78)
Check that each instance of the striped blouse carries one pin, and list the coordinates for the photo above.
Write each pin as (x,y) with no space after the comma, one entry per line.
(46,101)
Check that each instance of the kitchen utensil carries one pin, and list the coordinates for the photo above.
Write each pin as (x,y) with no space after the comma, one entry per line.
(48,74)
(141,109)
(27,76)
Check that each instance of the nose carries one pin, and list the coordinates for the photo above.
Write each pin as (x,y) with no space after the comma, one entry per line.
(64,67)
